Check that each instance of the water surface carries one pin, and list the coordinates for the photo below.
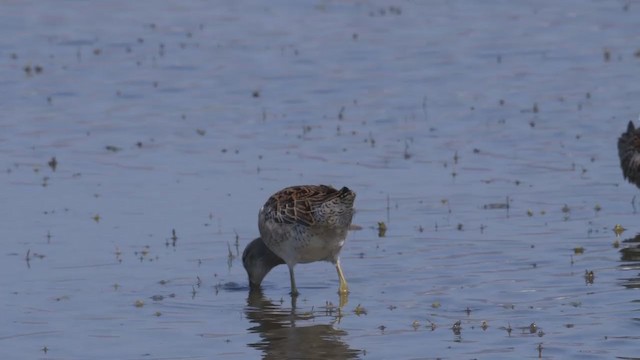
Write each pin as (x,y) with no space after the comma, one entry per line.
(482,134)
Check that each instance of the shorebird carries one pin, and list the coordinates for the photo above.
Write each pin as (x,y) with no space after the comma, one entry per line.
(300,224)
(629,152)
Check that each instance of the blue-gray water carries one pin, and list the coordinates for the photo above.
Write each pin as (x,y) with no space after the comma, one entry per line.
(187,115)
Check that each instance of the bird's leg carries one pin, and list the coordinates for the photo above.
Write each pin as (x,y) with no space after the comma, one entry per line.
(294,289)
(633,203)
(344,289)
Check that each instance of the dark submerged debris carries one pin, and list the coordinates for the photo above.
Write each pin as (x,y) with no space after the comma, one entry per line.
(589,276)
(112,148)
(457,328)
(174,238)
(495,206)
(53,163)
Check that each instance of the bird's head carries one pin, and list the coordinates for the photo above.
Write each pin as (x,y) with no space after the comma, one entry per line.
(258,260)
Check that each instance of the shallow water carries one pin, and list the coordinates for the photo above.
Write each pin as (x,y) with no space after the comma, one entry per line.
(483,136)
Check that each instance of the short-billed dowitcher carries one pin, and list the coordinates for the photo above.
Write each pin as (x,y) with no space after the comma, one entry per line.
(300,224)
(629,153)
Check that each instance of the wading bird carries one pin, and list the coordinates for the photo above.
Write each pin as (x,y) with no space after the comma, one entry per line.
(300,224)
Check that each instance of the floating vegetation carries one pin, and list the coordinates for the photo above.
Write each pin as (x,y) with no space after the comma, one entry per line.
(360,310)
(230,256)
(382,229)
(618,229)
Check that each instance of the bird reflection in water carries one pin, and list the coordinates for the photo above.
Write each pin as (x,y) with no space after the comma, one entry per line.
(287,333)
(630,258)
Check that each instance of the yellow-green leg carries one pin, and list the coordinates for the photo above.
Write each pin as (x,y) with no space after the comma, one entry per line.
(344,289)
(294,289)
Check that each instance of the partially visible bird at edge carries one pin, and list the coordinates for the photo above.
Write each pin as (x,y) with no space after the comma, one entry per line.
(629,153)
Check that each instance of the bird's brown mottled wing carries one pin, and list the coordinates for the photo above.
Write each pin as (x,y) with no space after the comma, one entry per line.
(296,204)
